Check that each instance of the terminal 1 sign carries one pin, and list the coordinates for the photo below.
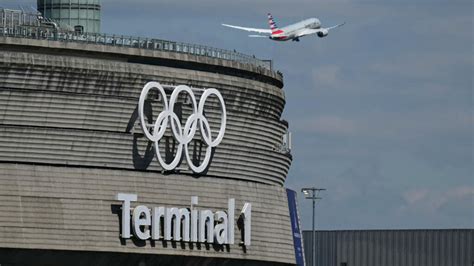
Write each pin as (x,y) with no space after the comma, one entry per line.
(183,224)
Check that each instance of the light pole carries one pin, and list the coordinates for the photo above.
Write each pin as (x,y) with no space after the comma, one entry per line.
(312,193)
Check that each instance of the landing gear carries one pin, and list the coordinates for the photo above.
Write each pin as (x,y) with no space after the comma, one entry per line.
(296,39)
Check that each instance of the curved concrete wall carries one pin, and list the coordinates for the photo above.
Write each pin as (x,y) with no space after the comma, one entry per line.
(76,116)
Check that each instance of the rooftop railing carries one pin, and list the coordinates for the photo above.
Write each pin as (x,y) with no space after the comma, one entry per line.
(15,23)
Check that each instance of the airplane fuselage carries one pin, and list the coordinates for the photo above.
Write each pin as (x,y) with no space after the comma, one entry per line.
(293,31)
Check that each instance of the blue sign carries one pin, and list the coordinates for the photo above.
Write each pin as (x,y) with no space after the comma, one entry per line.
(295,227)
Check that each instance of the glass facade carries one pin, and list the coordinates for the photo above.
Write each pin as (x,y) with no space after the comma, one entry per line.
(72,13)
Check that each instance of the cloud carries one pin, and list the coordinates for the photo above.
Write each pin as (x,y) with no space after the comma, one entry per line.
(326,76)
(450,28)
(414,196)
(326,124)
(431,201)
(421,65)
(395,126)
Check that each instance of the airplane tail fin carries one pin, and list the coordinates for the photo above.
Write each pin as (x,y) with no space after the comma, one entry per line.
(272,23)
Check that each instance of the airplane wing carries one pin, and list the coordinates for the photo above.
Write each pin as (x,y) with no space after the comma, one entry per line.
(338,25)
(323,31)
(258,36)
(308,32)
(267,31)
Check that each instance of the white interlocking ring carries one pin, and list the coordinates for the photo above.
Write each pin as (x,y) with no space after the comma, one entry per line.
(186,135)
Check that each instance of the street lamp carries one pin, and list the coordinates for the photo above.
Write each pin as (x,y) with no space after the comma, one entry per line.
(312,193)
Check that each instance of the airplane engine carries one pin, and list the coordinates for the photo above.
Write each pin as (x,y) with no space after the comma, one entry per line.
(323,33)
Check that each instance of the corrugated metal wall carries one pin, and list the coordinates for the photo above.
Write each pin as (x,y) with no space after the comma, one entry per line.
(452,247)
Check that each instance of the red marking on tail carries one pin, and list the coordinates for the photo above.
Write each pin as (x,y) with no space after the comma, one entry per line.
(272,23)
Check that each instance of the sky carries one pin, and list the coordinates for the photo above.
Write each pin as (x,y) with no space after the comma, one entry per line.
(381,110)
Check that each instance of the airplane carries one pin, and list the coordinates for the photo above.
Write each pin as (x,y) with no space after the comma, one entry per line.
(292,32)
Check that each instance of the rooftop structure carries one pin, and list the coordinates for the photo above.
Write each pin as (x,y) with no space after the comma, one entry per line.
(82,15)
(31,25)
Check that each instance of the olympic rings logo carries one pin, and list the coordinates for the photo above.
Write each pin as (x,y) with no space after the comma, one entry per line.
(182,135)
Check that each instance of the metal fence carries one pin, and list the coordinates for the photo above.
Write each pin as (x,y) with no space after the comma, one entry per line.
(15,23)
